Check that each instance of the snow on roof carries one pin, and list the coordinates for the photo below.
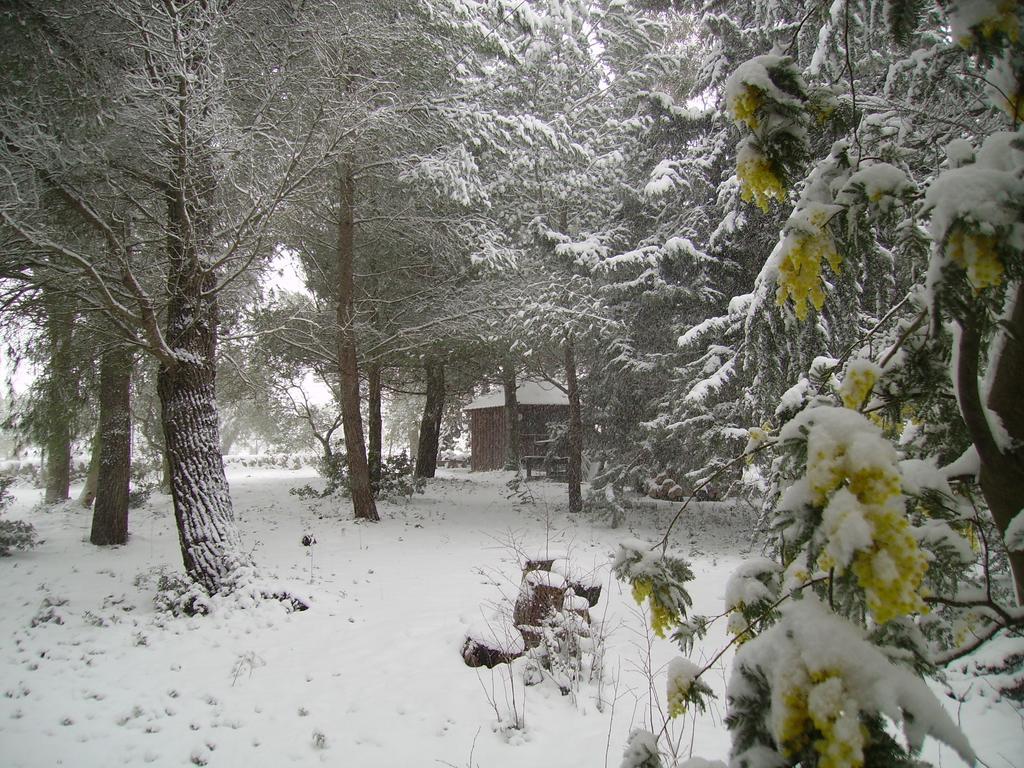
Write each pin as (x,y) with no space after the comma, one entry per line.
(527,393)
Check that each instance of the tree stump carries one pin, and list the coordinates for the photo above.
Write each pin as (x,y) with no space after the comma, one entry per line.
(541,594)
(494,642)
(479,654)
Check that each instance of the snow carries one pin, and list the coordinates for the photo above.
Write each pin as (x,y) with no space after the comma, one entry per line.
(527,393)
(984,196)
(938,535)
(967,464)
(793,398)
(966,15)
(745,588)
(664,178)
(371,675)
(849,531)
(718,379)
(920,475)
(710,325)
(545,579)
(879,182)
(756,73)
(959,152)
(1014,537)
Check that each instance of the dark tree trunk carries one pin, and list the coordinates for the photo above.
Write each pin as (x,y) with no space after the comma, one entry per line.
(430,426)
(59,414)
(110,514)
(1002,469)
(88,494)
(211,547)
(508,381)
(375,426)
(165,472)
(575,469)
(232,429)
(358,469)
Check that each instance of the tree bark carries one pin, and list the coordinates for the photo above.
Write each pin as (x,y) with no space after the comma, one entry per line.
(110,513)
(430,426)
(508,380)
(1002,468)
(363,505)
(88,494)
(59,414)
(375,427)
(211,547)
(575,469)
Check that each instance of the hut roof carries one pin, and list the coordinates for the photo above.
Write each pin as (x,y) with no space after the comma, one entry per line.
(527,393)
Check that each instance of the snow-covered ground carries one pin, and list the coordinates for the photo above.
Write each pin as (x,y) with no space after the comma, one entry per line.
(91,675)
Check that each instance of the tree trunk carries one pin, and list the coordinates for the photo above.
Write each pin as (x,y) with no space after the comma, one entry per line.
(1002,469)
(430,426)
(88,494)
(59,413)
(508,380)
(211,547)
(358,469)
(413,439)
(165,472)
(575,468)
(229,434)
(375,426)
(110,514)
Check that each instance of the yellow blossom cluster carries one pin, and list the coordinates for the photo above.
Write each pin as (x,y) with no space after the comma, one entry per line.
(835,715)
(891,569)
(819,702)
(642,589)
(1003,21)
(662,617)
(676,698)
(976,254)
(793,732)
(800,269)
(743,107)
(760,184)
(829,467)
(857,385)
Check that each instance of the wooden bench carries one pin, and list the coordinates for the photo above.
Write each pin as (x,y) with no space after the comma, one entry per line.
(554,467)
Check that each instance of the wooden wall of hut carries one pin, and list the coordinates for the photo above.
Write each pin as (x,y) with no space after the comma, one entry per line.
(487,433)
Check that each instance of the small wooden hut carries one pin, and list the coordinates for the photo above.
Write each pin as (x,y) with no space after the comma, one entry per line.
(541,404)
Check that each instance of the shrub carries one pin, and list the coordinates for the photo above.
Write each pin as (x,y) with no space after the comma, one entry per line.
(14,534)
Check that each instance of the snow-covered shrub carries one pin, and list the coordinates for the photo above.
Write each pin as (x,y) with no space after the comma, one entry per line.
(334,470)
(641,751)
(14,534)
(397,477)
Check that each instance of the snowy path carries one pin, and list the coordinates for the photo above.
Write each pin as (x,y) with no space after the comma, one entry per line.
(371,676)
